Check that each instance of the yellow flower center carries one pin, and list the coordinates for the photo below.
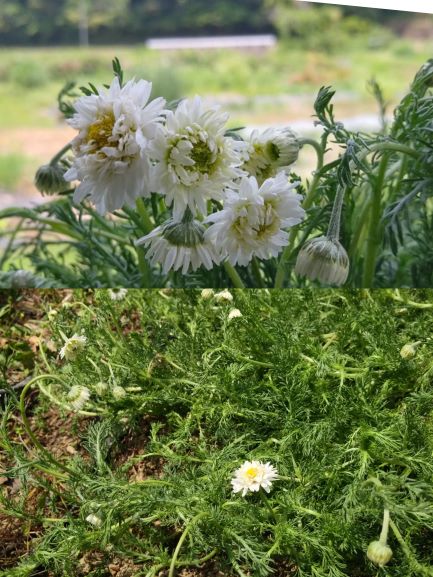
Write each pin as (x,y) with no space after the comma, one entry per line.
(100,132)
(251,473)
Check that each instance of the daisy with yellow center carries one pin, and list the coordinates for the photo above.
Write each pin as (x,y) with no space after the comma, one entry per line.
(253,476)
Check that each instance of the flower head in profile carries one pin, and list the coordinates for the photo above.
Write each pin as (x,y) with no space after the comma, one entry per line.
(72,347)
(270,151)
(253,476)
(195,160)
(78,397)
(253,220)
(207,293)
(117,294)
(115,127)
(180,245)
(323,259)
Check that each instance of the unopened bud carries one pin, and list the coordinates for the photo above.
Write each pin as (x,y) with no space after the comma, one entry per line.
(379,553)
(49,179)
(323,259)
(409,351)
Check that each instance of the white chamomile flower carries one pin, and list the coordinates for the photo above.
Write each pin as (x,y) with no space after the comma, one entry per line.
(111,160)
(72,347)
(234,314)
(196,162)
(224,295)
(253,220)
(180,245)
(78,397)
(94,520)
(117,294)
(270,151)
(253,476)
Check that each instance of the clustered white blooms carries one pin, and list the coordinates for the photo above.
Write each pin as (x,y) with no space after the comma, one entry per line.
(234,314)
(72,347)
(253,476)
(129,146)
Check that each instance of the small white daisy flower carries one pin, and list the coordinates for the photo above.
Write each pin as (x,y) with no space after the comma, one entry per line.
(224,295)
(78,397)
(207,294)
(72,347)
(117,294)
(253,220)
(115,128)
(94,520)
(234,314)
(196,162)
(271,151)
(180,246)
(253,476)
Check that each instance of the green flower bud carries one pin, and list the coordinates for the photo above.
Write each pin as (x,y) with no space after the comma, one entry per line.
(409,351)
(118,392)
(323,259)
(49,179)
(379,553)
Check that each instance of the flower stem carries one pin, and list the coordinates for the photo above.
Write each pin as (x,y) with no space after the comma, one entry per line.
(257,273)
(374,232)
(59,155)
(146,223)
(233,275)
(266,503)
(28,429)
(181,541)
(385,527)
(308,201)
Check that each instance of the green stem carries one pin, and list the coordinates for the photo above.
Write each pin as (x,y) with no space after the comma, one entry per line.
(266,503)
(308,201)
(233,275)
(27,423)
(146,223)
(423,570)
(385,527)
(374,234)
(59,155)
(257,273)
(181,541)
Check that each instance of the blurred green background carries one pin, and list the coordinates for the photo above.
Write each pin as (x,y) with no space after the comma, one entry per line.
(45,43)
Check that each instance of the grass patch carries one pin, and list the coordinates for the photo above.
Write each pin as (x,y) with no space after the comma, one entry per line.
(313,382)
(12,167)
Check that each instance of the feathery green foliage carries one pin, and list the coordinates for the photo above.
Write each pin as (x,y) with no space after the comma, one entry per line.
(311,381)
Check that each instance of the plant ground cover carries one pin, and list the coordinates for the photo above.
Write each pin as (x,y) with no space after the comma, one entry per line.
(136,480)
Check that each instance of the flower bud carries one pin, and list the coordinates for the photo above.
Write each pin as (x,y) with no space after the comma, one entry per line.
(49,179)
(94,520)
(207,294)
(409,351)
(118,392)
(379,553)
(323,259)
(78,397)
(101,388)
(283,148)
